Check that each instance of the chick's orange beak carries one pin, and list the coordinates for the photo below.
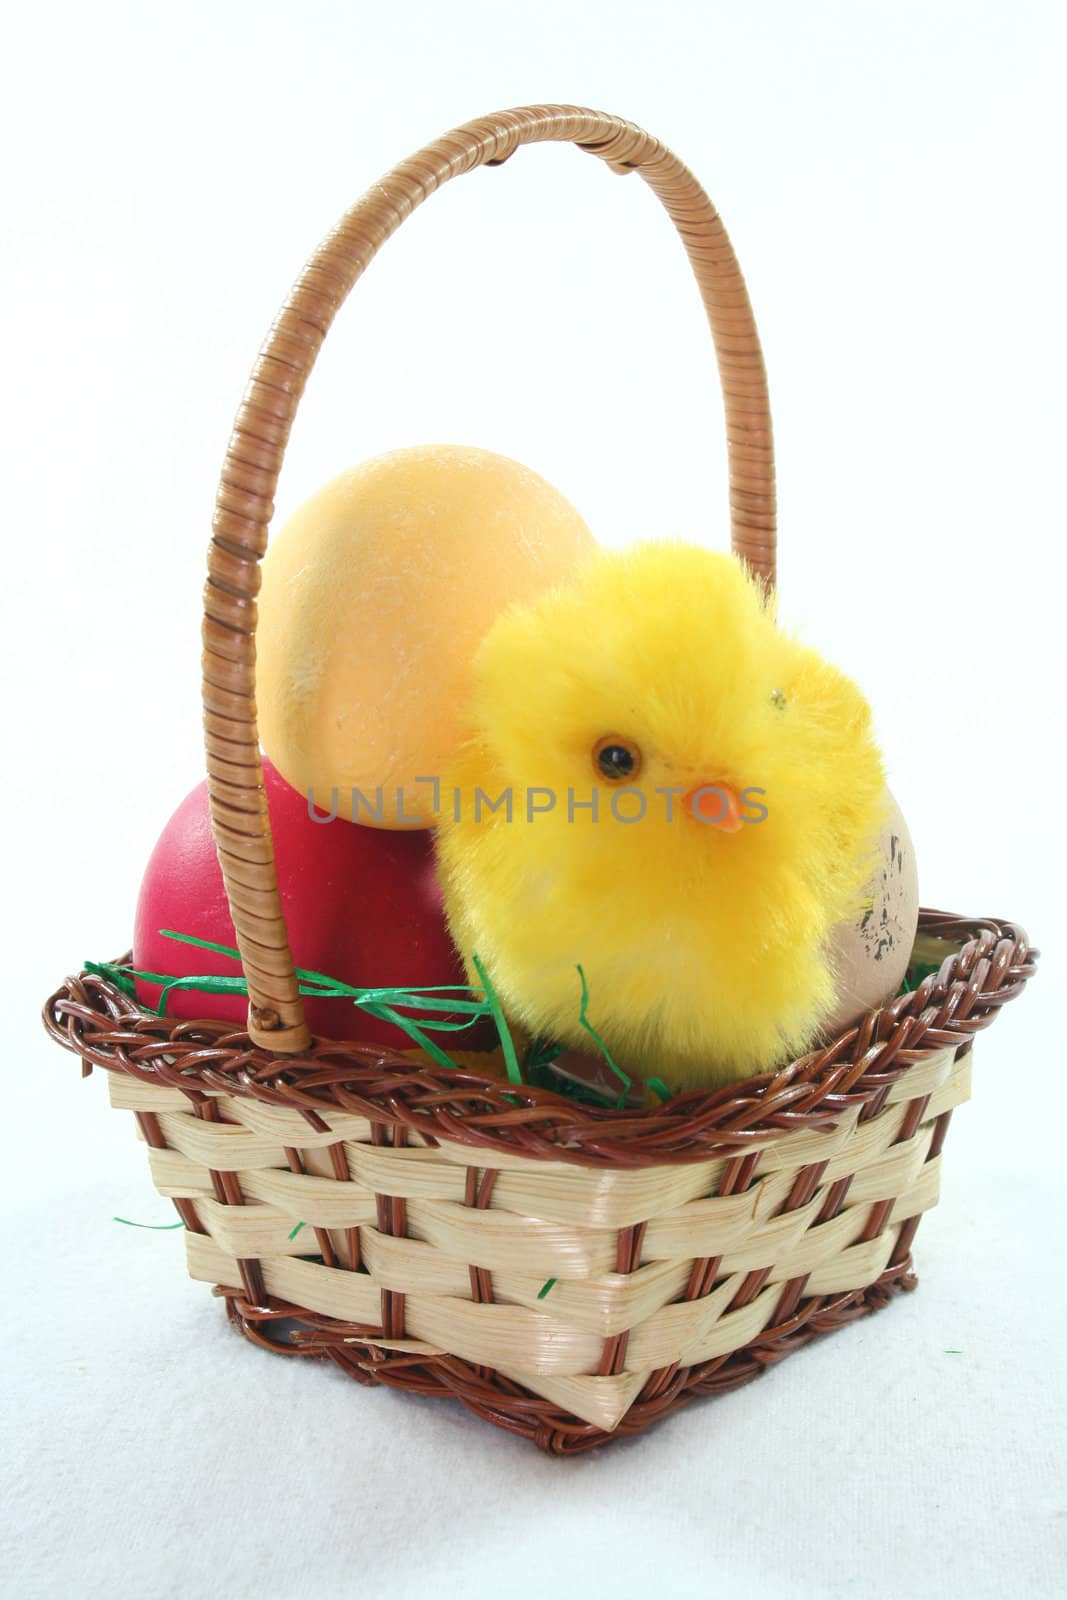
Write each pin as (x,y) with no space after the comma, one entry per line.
(716,804)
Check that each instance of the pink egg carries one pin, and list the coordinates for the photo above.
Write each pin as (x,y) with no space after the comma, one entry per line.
(361,905)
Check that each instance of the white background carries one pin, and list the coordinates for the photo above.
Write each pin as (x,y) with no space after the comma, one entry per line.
(892,177)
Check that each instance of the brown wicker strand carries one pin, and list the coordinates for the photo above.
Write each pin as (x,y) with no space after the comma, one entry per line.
(808,1251)
(102,1025)
(244,504)
(531,1417)
(228,1193)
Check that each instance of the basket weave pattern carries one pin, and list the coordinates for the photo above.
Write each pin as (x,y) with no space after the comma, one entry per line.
(407,1220)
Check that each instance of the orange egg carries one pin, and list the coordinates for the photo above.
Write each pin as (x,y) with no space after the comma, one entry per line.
(375,597)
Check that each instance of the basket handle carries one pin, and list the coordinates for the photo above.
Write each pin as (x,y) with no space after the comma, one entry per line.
(244,507)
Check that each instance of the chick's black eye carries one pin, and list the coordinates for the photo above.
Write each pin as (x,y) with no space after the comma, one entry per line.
(778,699)
(616,758)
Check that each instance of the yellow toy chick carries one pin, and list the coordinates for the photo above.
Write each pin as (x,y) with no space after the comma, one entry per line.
(660,787)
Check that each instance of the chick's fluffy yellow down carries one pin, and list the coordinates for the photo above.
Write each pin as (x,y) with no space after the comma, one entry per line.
(704,951)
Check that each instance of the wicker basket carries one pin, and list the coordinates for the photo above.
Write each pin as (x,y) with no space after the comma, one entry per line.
(568,1272)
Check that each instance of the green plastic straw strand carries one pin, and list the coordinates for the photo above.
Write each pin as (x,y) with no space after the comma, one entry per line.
(415,999)
(155,1227)
(201,944)
(206,985)
(116,975)
(602,1047)
(387,1014)
(386,1004)
(321,985)
(507,1044)
(334,985)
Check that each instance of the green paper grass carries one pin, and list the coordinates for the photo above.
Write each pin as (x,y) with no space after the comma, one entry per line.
(915,975)
(155,1227)
(439,1008)
(601,1046)
(496,1011)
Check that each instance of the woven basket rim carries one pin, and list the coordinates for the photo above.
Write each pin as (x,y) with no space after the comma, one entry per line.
(993,961)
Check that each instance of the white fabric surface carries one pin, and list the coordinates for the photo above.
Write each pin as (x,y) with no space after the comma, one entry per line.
(893,182)
(150,1444)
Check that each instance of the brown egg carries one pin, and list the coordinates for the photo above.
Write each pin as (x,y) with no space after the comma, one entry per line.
(871,954)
